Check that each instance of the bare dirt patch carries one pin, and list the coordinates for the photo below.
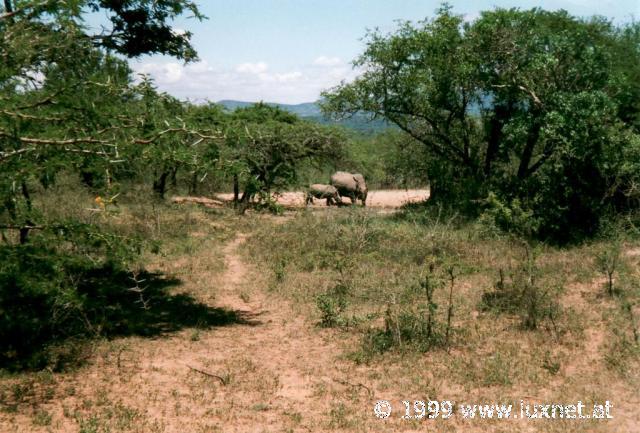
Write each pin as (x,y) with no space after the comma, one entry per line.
(389,198)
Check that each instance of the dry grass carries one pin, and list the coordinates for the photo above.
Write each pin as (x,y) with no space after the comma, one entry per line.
(284,373)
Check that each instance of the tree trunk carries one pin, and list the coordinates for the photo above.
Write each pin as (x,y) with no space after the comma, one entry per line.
(25,194)
(174,176)
(527,152)
(236,189)
(193,186)
(160,185)
(24,235)
(109,179)
(88,178)
(24,232)
(495,136)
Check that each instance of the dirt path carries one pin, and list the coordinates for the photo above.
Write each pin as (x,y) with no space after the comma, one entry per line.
(264,369)
(276,368)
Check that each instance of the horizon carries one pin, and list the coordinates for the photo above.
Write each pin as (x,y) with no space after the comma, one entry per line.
(284,52)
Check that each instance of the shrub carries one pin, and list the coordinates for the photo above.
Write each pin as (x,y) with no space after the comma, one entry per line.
(520,292)
(415,323)
(508,216)
(608,262)
(48,287)
(331,305)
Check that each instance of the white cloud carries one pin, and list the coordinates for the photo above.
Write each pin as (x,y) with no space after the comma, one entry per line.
(327,61)
(288,77)
(251,81)
(252,68)
(164,73)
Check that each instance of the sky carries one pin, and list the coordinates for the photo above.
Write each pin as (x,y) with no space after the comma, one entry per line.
(288,51)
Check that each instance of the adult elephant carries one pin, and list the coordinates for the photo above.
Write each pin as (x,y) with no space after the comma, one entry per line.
(350,185)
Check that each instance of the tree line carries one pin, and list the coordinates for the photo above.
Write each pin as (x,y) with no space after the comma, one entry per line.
(71,106)
(533,116)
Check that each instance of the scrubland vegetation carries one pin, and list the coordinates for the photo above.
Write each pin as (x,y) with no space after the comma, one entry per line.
(518,279)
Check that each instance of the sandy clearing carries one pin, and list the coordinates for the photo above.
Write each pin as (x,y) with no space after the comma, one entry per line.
(383,198)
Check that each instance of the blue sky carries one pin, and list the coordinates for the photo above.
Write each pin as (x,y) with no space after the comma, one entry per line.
(290,50)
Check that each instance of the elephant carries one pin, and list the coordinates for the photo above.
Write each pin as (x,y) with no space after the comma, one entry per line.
(318,190)
(350,185)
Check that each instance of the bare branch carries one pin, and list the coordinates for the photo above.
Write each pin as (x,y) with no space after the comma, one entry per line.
(531,93)
(31,117)
(224,382)
(30,140)
(88,152)
(34,8)
(171,130)
(7,155)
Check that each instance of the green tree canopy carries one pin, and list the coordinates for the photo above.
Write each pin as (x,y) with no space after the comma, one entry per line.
(135,27)
(68,103)
(533,105)
(266,146)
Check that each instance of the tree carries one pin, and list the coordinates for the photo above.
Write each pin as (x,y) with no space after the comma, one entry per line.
(64,99)
(137,27)
(531,105)
(266,145)
(68,104)
(172,136)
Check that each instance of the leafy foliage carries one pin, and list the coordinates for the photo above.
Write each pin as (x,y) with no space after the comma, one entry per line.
(533,105)
(45,292)
(69,106)
(266,145)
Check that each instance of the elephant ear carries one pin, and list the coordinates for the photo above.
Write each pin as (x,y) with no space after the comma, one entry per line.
(357,184)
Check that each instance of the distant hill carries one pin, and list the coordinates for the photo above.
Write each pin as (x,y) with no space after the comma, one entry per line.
(311,111)
(306,109)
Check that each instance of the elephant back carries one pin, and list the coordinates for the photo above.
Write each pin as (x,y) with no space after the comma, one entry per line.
(344,181)
(322,189)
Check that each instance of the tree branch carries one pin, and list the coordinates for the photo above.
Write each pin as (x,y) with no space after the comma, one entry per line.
(31,117)
(170,130)
(11,13)
(7,155)
(30,140)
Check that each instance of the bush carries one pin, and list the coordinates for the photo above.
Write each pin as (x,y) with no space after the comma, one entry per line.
(521,293)
(509,217)
(49,286)
(415,323)
(332,305)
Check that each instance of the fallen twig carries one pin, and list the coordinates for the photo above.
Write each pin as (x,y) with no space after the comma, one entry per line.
(354,385)
(224,382)
(204,201)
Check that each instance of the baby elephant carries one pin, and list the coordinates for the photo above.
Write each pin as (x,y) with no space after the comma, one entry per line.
(318,190)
